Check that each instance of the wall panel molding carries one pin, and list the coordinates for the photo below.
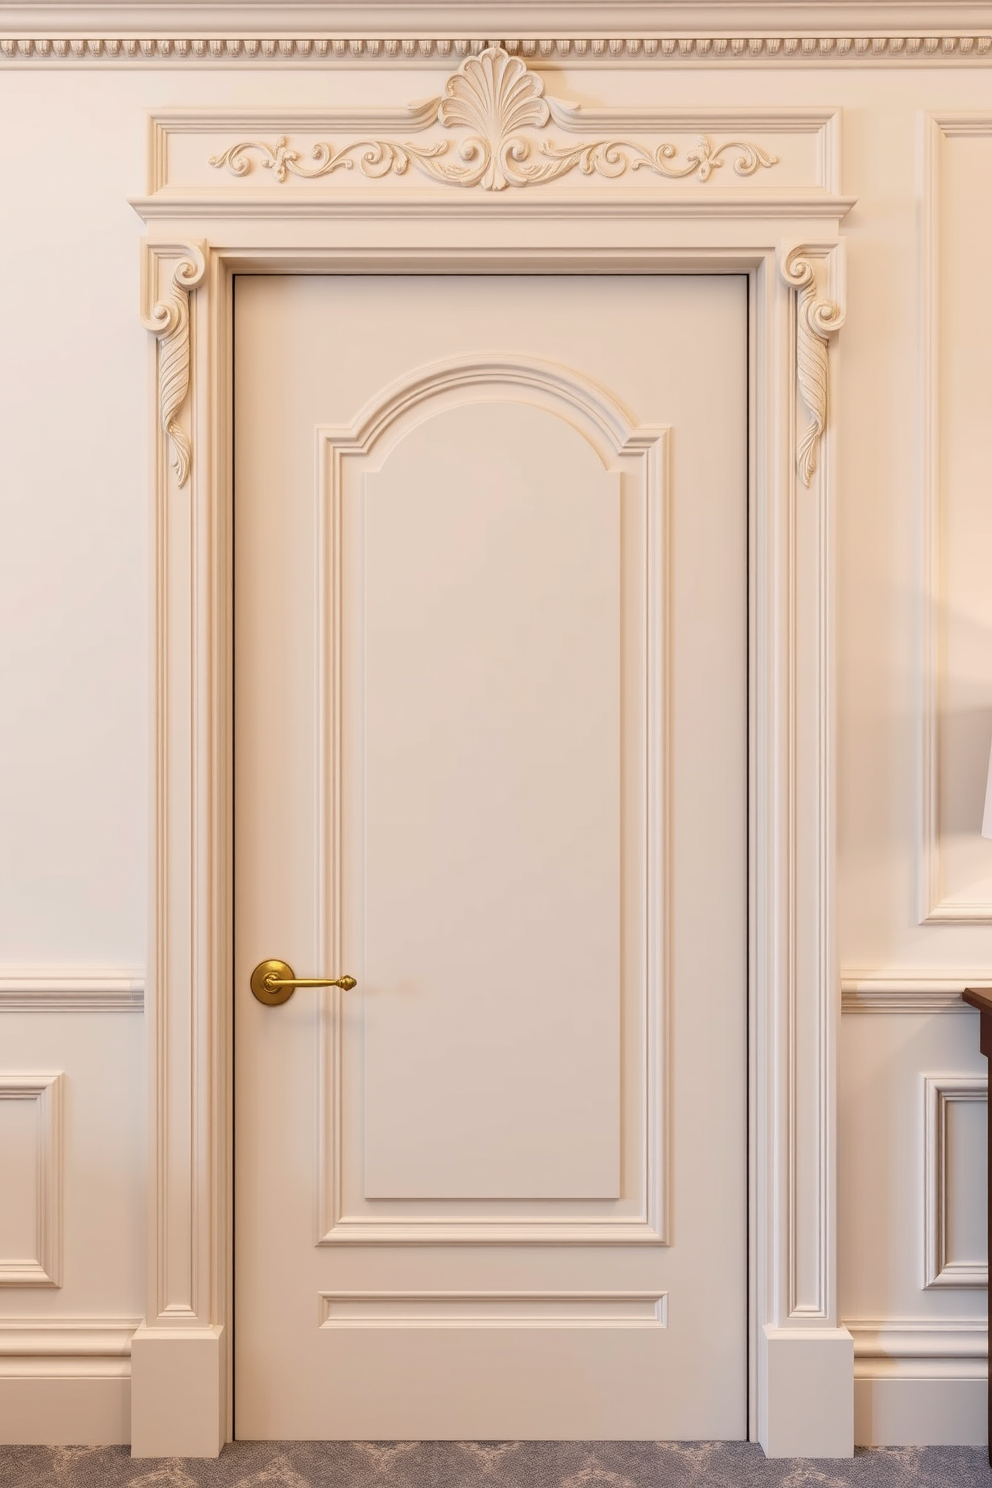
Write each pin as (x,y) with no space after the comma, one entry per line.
(69,989)
(640,454)
(56,1347)
(494,1309)
(44,1269)
(919,1348)
(934,906)
(940,1270)
(518,136)
(910,990)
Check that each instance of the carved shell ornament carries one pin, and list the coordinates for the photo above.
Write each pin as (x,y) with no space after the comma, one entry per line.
(495,96)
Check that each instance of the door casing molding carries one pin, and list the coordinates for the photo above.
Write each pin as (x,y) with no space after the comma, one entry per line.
(788,243)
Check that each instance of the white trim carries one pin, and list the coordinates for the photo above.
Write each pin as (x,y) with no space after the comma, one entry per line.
(911,990)
(934,908)
(293,206)
(918,1348)
(938,1091)
(44,1269)
(796,1009)
(70,989)
(61,1348)
(493,1309)
(641,453)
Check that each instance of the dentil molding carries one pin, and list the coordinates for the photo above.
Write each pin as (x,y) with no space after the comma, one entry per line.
(248,49)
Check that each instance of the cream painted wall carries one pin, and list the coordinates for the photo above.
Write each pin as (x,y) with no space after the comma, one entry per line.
(74,585)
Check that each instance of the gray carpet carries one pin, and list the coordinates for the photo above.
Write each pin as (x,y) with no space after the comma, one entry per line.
(491,1465)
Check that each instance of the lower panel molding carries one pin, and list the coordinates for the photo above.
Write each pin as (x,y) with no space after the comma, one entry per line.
(44,1091)
(493,1310)
(917,1348)
(940,1269)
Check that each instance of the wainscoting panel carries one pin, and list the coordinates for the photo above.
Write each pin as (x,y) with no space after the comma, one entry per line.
(31,1180)
(955,1248)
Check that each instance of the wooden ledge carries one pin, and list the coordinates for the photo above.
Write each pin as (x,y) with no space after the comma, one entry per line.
(979,997)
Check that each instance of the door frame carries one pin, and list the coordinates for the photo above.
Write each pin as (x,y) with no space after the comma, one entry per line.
(789,245)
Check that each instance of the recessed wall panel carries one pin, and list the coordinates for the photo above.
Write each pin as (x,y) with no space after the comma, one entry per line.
(492,676)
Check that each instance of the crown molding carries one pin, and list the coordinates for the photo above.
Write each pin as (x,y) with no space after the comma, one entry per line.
(490,17)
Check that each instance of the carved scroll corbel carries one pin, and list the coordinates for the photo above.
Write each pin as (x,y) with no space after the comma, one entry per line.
(168,320)
(817,318)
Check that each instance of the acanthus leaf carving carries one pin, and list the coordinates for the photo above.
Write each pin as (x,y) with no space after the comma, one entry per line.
(168,320)
(817,318)
(497,96)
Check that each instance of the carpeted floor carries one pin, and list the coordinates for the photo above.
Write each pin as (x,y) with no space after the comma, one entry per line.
(491,1465)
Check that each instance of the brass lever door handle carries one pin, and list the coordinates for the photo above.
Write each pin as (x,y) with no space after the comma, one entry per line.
(274,982)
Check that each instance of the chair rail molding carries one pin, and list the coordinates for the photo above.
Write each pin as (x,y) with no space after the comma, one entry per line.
(910,989)
(205,224)
(71,989)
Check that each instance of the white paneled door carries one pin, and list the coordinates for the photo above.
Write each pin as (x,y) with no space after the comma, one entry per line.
(491,761)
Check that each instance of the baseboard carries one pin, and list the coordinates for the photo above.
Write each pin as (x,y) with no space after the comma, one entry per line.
(72,1412)
(65,1381)
(921,1412)
(920,1382)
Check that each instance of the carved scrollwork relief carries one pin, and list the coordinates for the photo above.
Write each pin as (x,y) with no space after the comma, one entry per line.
(496,96)
(169,322)
(816,319)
